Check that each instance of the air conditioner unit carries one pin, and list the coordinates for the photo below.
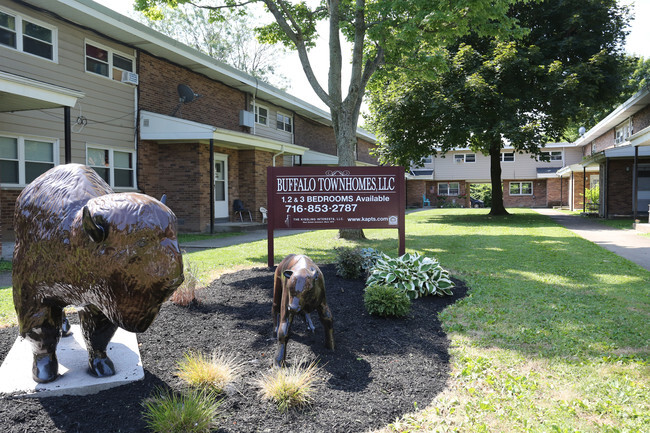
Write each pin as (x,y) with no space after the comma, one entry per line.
(130,77)
(246,118)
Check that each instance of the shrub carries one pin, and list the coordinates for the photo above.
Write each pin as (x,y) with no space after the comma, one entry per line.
(289,387)
(414,274)
(170,412)
(369,257)
(187,292)
(386,301)
(349,263)
(213,374)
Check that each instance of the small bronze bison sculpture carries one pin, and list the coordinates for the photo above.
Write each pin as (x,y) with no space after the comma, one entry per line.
(298,288)
(115,255)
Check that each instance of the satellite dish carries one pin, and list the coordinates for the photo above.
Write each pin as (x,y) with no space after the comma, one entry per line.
(582,131)
(185,96)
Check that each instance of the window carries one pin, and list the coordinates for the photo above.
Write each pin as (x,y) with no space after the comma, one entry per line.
(261,115)
(24,159)
(464,157)
(507,156)
(470,157)
(104,61)
(623,132)
(114,166)
(426,160)
(555,155)
(284,122)
(27,35)
(451,188)
(458,158)
(521,188)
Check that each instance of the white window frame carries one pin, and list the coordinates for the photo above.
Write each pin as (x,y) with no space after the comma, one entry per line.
(520,187)
(284,116)
(622,132)
(427,160)
(550,154)
(19,18)
(111,164)
(256,109)
(20,139)
(448,188)
(507,153)
(111,52)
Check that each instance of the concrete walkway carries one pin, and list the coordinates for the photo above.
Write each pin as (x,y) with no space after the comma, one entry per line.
(626,243)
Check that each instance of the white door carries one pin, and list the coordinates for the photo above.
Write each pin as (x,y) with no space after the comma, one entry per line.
(220,185)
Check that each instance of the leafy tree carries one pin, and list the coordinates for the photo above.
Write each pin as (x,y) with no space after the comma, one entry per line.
(229,37)
(497,91)
(381,32)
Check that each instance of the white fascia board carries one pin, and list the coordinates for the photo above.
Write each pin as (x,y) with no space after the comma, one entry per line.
(33,89)
(130,32)
(636,103)
(311,157)
(573,168)
(155,126)
(626,152)
(241,139)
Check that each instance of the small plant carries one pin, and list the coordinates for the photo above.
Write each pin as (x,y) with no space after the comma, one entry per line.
(290,387)
(414,274)
(349,263)
(386,301)
(169,412)
(213,373)
(369,257)
(187,292)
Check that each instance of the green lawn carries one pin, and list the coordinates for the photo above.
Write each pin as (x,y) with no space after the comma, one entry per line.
(553,336)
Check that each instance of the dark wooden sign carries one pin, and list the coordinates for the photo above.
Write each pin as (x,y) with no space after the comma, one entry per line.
(321,197)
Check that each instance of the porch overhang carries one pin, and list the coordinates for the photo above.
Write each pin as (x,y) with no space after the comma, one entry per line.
(159,127)
(420,174)
(547,172)
(311,157)
(19,93)
(641,138)
(577,168)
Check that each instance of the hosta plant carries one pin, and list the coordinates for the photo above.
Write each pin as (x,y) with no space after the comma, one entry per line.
(414,274)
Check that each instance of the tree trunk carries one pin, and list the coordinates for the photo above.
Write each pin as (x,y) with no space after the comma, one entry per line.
(495,176)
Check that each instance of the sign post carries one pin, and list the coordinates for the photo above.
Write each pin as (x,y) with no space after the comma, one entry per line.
(322,197)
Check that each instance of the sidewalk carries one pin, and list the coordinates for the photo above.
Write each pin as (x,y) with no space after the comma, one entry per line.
(626,243)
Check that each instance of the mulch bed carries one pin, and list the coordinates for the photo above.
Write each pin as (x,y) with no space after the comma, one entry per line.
(381,367)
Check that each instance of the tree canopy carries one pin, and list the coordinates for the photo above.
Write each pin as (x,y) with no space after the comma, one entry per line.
(497,91)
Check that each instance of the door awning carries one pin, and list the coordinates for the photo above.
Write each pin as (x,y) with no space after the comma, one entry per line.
(18,93)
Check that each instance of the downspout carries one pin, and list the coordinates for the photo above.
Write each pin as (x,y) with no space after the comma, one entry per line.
(606,182)
(584,189)
(635,182)
(211,185)
(254,106)
(278,154)
(561,192)
(67,135)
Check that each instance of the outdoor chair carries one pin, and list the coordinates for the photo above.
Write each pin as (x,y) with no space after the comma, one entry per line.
(264,212)
(425,201)
(239,208)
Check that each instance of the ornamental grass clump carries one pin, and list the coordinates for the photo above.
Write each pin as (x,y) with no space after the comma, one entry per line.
(214,373)
(189,290)
(416,275)
(192,412)
(290,387)
(386,301)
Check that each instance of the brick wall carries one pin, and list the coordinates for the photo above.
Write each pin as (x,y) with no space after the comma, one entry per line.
(641,119)
(605,141)
(619,187)
(363,151)
(556,187)
(463,190)
(7,207)
(219,105)
(414,191)
(316,136)
(578,190)
(537,199)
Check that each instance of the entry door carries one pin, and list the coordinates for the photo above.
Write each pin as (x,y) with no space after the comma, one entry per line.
(644,188)
(220,185)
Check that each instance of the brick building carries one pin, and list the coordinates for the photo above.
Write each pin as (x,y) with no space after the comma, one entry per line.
(149,114)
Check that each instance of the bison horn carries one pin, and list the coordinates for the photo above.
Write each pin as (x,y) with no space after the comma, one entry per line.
(96,232)
(163,199)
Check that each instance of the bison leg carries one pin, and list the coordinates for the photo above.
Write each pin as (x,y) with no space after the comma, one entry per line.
(326,319)
(44,340)
(310,325)
(97,331)
(283,339)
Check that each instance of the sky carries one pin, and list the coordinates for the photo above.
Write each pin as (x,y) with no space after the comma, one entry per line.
(638,43)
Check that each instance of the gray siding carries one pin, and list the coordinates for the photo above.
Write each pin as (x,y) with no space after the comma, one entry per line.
(271,131)
(108,105)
